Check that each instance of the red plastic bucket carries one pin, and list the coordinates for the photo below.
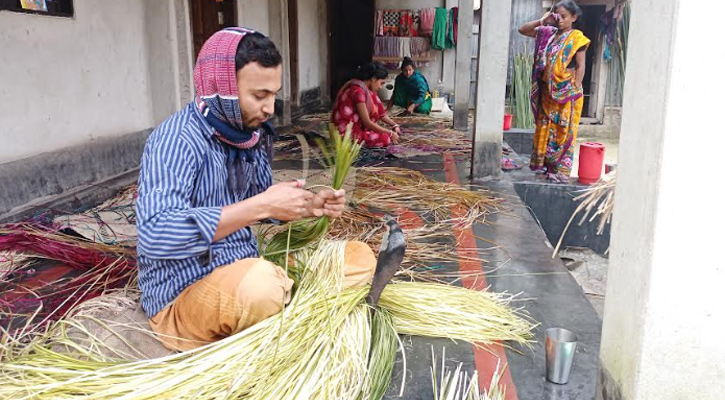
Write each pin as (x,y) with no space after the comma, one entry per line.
(591,160)
(507,119)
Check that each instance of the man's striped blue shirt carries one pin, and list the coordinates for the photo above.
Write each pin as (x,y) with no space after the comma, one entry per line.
(182,188)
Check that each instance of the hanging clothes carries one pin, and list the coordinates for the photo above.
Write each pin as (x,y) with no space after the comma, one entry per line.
(415,23)
(391,23)
(405,50)
(419,47)
(452,36)
(388,47)
(405,23)
(379,23)
(452,28)
(427,18)
(440,24)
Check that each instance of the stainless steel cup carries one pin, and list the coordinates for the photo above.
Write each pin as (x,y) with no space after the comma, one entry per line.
(560,349)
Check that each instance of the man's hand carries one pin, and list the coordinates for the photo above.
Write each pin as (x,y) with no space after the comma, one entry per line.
(328,202)
(288,201)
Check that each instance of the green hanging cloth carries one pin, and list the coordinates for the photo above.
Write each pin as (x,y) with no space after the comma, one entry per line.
(440,25)
(452,32)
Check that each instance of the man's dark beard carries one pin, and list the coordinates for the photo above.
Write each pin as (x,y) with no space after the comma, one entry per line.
(254,127)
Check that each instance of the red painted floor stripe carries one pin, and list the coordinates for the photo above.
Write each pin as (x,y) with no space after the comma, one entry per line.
(407,219)
(486,361)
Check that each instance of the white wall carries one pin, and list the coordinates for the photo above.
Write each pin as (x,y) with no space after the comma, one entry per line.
(254,14)
(664,314)
(66,81)
(169,56)
(443,63)
(310,51)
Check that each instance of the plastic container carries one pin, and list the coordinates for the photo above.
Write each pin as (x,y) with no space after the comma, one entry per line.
(591,162)
(507,120)
(386,92)
(439,89)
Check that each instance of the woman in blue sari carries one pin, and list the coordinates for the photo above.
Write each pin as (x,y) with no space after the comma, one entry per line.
(411,90)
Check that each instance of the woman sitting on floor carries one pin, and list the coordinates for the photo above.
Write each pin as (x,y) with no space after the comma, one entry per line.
(411,90)
(357,102)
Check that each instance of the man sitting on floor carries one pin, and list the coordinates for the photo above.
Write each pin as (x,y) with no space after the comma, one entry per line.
(205,178)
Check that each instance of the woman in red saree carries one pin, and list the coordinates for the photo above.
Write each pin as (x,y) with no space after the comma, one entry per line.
(557,96)
(357,102)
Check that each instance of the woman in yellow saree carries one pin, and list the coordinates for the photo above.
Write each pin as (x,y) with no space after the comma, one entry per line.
(557,96)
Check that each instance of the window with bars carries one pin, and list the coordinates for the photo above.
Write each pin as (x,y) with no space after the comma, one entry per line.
(57,8)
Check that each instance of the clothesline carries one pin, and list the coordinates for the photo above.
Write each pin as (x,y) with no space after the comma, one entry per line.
(440,24)
(397,22)
(392,49)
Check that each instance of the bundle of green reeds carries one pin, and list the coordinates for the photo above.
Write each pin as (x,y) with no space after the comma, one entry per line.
(292,355)
(616,33)
(620,44)
(339,159)
(521,90)
(320,346)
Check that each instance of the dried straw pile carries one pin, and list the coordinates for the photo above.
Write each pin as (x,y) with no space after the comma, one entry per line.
(596,202)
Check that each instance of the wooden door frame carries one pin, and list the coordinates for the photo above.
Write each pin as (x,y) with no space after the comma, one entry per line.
(190,3)
(294,60)
(330,48)
(328,14)
(597,72)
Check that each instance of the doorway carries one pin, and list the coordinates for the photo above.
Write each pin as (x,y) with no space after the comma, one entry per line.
(208,17)
(294,60)
(590,25)
(351,38)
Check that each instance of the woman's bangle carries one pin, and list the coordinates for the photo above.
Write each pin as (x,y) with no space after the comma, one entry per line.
(396,126)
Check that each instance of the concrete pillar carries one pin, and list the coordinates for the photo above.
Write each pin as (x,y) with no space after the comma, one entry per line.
(185,56)
(279,33)
(464,51)
(493,50)
(664,314)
